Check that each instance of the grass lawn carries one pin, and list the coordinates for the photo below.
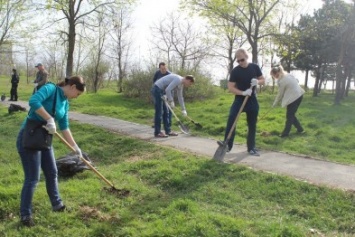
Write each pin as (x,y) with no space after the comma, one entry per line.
(172,194)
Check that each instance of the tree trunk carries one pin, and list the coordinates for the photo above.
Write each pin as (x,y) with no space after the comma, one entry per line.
(306,80)
(71,47)
(316,83)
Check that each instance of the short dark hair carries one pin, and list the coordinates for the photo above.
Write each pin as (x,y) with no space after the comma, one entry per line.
(190,77)
(161,64)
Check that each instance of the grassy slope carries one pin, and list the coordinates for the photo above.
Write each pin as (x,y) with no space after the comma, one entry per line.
(173,194)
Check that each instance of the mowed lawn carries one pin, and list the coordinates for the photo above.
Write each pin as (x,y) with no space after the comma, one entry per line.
(173,193)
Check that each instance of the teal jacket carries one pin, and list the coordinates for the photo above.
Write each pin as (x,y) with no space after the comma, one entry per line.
(45,97)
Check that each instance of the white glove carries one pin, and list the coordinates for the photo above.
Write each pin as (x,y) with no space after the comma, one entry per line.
(35,84)
(50,126)
(254,82)
(247,92)
(78,150)
(172,104)
(184,113)
(164,98)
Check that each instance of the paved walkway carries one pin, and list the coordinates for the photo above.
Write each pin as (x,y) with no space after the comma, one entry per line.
(302,168)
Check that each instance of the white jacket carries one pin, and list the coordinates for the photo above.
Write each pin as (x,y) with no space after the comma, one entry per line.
(289,90)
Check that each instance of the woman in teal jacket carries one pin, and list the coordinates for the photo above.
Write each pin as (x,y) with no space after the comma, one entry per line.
(41,107)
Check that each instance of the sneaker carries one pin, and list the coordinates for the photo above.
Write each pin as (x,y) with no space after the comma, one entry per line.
(253,152)
(173,134)
(283,135)
(301,132)
(59,209)
(27,221)
(161,135)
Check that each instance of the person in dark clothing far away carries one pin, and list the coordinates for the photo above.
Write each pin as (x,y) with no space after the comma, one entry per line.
(162,71)
(242,82)
(15,79)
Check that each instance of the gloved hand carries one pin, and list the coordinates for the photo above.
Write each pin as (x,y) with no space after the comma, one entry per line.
(254,82)
(184,113)
(50,126)
(164,97)
(247,92)
(35,85)
(78,150)
(172,104)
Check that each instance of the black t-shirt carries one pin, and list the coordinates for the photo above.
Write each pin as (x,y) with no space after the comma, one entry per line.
(242,76)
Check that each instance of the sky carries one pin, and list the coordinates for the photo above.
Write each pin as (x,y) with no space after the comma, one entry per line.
(149,12)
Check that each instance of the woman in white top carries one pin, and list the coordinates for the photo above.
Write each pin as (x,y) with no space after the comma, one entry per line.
(290,94)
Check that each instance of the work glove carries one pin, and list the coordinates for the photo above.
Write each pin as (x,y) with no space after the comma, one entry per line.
(78,150)
(35,84)
(172,104)
(164,97)
(247,92)
(184,113)
(50,126)
(254,82)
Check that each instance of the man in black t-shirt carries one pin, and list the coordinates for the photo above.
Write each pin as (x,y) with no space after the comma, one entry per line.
(242,82)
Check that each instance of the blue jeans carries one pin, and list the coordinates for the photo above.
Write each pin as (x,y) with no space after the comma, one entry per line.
(251,109)
(32,161)
(161,111)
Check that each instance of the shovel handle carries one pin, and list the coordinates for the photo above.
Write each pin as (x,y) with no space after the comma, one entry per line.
(84,160)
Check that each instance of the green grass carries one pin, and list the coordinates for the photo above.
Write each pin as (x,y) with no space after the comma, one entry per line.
(329,129)
(172,194)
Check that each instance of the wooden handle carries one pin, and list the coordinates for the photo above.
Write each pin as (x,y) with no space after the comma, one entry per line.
(84,160)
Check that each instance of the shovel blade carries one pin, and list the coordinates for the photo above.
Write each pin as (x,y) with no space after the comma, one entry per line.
(220,152)
(184,128)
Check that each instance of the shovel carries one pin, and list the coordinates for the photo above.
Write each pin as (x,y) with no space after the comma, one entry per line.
(119,192)
(198,125)
(223,146)
(184,128)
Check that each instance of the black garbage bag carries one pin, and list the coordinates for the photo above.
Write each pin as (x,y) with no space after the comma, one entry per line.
(71,164)
(14,108)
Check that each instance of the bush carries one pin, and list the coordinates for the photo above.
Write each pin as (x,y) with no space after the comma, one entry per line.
(139,84)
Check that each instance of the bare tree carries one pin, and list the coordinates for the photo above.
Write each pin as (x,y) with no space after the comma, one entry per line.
(121,41)
(182,44)
(75,12)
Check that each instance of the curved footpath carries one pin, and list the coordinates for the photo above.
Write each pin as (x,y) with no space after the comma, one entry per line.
(302,168)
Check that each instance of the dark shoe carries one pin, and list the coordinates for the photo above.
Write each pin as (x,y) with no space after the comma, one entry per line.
(283,135)
(27,221)
(173,134)
(59,209)
(301,132)
(253,152)
(161,135)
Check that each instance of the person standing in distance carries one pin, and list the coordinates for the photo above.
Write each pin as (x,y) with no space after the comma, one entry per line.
(15,79)
(164,88)
(290,94)
(41,106)
(242,78)
(41,77)
(162,71)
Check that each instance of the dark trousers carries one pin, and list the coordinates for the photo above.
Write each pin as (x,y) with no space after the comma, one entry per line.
(161,112)
(13,92)
(291,118)
(251,109)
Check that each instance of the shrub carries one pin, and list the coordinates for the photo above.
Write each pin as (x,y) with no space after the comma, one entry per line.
(139,84)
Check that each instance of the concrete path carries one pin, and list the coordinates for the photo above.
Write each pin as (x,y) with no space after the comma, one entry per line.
(302,168)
